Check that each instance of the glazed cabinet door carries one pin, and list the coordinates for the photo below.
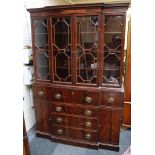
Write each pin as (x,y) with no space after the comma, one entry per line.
(87,43)
(40,43)
(113,46)
(61,46)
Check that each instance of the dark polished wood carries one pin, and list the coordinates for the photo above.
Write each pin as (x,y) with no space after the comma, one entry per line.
(127,97)
(74,105)
(74,121)
(74,109)
(110,125)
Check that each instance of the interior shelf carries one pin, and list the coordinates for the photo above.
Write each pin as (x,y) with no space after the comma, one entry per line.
(109,69)
(62,67)
(112,32)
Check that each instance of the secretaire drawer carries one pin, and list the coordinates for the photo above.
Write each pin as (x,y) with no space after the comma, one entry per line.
(112,99)
(40,92)
(74,96)
(74,121)
(88,111)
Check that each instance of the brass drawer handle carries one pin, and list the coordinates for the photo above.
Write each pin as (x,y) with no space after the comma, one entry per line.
(88,99)
(88,124)
(87,136)
(59,119)
(58,109)
(40,93)
(88,112)
(60,131)
(58,96)
(110,100)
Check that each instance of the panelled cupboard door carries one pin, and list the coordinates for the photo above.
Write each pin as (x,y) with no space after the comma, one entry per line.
(41,104)
(42,115)
(109,125)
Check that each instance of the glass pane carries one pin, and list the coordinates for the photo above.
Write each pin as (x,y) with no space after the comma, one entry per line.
(61,48)
(41,49)
(61,32)
(41,33)
(42,65)
(87,44)
(112,49)
(113,24)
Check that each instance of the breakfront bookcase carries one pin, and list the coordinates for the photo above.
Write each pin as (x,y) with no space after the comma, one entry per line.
(78,64)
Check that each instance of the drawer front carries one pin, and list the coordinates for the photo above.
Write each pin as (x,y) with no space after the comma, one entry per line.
(74,96)
(112,99)
(60,95)
(82,135)
(71,121)
(74,110)
(58,131)
(85,97)
(74,133)
(40,92)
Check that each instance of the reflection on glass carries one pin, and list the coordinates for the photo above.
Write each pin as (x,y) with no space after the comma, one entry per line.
(87,42)
(61,48)
(112,49)
(42,65)
(113,24)
(41,49)
(41,33)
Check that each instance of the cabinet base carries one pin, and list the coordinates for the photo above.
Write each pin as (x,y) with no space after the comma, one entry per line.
(109,147)
(78,143)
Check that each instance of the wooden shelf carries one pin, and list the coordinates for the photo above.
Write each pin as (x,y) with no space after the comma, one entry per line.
(113,32)
(87,68)
(112,51)
(88,32)
(62,67)
(108,69)
(43,66)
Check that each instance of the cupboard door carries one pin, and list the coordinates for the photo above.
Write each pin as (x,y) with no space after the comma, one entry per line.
(86,49)
(41,104)
(110,120)
(113,49)
(42,115)
(61,49)
(41,49)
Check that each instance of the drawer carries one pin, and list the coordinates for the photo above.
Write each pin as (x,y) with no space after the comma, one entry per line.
(76,134)
(85,97)
(58,131)
(60,95)
(89,111)
(74,96)
(72,121)
(40,92)
(112,99)
(82,135)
